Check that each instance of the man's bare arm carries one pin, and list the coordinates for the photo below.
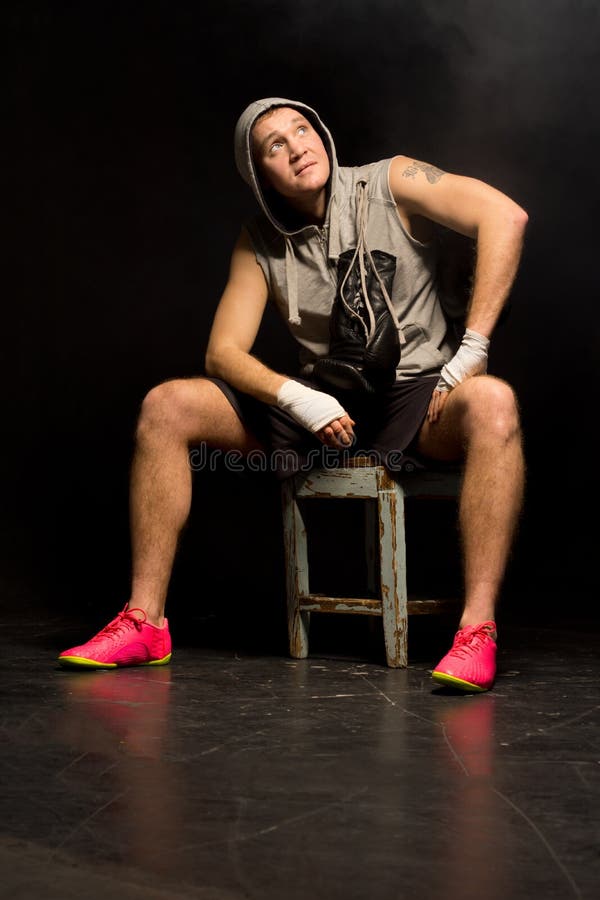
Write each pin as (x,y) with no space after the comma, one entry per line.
(476,210)
(235,326)
(234,330)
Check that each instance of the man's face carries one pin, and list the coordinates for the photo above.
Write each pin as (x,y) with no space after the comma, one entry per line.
(290,154)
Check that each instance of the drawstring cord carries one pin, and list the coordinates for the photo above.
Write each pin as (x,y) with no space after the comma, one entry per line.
(291,277)
(362,248)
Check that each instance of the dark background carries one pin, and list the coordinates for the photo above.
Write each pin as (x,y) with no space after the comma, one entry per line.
(121,203)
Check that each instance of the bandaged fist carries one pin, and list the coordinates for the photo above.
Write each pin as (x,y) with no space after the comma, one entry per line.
(312,409)
(470,359)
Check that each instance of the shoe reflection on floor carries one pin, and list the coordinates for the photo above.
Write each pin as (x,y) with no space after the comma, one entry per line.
(479,833)
(117,724)
(131,705)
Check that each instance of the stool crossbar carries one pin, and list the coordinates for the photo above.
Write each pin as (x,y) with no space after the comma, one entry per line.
(385,543)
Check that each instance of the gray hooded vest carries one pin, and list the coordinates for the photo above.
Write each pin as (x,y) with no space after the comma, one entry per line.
(300,262)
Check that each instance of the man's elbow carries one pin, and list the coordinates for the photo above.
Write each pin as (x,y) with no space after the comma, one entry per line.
(213,363)
(515,216)
(210,366)
(520,218)
(218,359)
(507,217)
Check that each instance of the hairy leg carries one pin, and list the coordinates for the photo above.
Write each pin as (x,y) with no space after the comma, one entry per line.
(174,416)
(479,423)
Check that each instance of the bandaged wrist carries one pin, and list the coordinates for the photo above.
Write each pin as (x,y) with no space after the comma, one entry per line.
(311,409)
(470,359)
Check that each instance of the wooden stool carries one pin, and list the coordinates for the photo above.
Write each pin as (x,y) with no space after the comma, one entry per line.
(385,540)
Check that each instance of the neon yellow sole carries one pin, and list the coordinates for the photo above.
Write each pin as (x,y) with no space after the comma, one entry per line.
(80,662)
(452,681)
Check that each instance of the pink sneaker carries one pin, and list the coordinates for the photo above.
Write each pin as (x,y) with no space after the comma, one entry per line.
(126,641)
(471,663)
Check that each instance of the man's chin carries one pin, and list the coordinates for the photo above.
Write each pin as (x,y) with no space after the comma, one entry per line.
(310,184)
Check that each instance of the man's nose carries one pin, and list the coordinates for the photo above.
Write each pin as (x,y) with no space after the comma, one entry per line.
(296,149)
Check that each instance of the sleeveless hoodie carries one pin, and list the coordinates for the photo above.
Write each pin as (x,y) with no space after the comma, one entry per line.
(299,261)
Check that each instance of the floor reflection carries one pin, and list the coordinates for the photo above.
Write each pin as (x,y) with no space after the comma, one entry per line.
(131,705)
(468,726)
(117,724)
(476,835)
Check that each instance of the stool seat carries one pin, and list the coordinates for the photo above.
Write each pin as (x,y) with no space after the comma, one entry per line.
(384,493)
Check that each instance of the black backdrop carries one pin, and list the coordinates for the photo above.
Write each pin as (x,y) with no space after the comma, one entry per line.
(121,204)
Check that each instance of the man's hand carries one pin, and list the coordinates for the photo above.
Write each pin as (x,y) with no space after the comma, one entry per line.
(338,433)
(470,359)
(318,412)
(436,405)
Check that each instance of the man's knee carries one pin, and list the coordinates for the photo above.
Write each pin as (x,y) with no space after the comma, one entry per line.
(168,406)
(491,405)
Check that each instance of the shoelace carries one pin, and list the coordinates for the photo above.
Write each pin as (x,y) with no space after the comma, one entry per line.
(468,639)
(124,619)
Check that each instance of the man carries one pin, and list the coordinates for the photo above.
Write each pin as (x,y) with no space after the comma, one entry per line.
(349,258)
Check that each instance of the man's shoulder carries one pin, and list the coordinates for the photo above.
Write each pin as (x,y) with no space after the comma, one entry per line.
(365,168)
(259,223)
(263,234)
(374,173)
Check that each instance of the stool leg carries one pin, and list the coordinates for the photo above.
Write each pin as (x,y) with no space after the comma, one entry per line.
(392,544)
(371,519)
(296,562)
(371,545)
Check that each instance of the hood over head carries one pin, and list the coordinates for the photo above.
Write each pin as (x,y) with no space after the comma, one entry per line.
(279,213)
(283,217)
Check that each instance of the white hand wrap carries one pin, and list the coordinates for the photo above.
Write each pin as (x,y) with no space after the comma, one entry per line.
(312,409)
(470,359)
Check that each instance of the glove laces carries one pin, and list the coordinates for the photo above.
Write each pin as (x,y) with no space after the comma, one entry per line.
(362,250)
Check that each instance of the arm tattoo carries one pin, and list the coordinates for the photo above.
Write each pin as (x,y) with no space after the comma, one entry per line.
(432,173)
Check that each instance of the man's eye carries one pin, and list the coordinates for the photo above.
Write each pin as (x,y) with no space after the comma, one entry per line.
(303,129)
(275,146)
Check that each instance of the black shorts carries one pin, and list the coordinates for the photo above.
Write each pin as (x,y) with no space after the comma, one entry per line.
(386,427)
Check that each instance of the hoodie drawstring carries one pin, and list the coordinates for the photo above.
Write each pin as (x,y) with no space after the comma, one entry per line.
(291,277)
(362,248)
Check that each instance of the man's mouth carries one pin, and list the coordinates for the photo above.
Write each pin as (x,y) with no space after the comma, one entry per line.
(304,167)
